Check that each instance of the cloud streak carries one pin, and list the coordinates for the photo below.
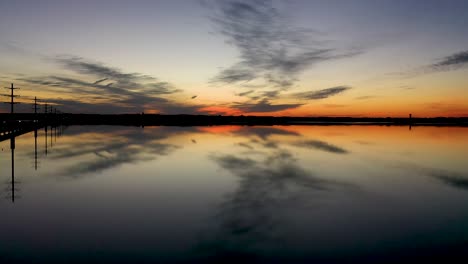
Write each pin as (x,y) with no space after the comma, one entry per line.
(116,79)
(263,106)
(272,51)
(453,61)
(104,89)
(321,94)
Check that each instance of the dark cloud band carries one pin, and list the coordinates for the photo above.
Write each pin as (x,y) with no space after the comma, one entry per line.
(321,94)
(455,60)
(263,106)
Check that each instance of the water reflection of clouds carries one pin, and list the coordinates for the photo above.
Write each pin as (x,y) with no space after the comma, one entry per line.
(264,132)
(449,177)
(102,147)
(106,147)
(285,187)
(114,157)
(263,136)
(271,182)
(321,145)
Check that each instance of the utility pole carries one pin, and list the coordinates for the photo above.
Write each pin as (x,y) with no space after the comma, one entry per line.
(35,106)
(12,96)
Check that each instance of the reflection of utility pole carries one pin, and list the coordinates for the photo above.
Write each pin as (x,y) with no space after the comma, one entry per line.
(410,121)
(13,188)
(45,132)
(12,96)
(35,149)
(51,143)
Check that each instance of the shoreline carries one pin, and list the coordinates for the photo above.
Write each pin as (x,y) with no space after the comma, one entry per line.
(210,120)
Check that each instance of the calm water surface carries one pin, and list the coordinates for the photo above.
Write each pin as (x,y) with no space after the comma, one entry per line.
(244,194)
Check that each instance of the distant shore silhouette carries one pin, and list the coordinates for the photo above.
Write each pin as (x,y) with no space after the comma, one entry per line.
(203,120)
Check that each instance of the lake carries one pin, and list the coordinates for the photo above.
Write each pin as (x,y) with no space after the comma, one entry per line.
(257,194)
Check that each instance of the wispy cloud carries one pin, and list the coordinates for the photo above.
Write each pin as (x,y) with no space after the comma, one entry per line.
(407,87)
(245,93)
(365,97)
(321,94)
(263,106)
(335,105)
(272,50)
(130,105)
(116,79)
(447,107)
(104,89)
(453,61)
(262,101)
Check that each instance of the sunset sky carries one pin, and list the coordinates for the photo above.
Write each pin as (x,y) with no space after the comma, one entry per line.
(299,58)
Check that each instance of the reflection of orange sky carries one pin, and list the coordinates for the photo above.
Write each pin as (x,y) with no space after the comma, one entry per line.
(418,135)
(429,146)
(375,131)
(442,135)
(219,129)
(433,146)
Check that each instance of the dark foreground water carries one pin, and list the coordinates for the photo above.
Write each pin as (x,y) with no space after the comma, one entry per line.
(286,194)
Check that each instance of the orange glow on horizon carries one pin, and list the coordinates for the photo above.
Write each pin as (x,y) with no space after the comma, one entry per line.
(220,110)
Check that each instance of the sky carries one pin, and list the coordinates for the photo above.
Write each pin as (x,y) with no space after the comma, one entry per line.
(232,57)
